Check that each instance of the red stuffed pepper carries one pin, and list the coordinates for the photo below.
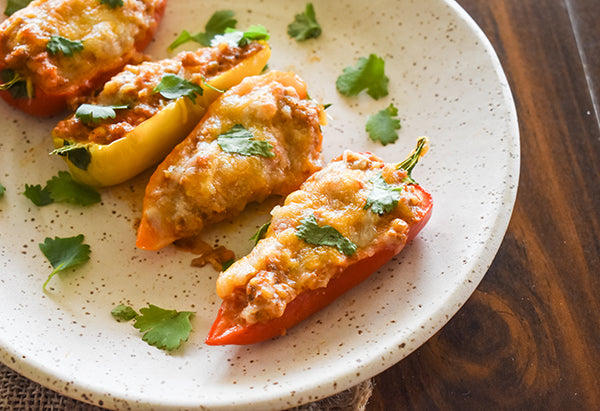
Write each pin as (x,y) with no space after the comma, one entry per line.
(54,51)
(345,222)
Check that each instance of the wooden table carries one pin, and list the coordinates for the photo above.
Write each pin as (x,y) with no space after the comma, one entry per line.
(529,337)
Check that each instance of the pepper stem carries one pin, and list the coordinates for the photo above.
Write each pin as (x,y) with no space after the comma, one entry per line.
(413,158)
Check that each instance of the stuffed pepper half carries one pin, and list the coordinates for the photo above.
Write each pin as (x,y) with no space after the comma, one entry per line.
(53,51)
(342,224)
(262,137)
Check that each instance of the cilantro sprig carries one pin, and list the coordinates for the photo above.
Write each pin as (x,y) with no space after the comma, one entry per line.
(17,86)
(78,154)
(66,47)
(172,87)
(368,74)
(305,25)
(64,253)
(241,141)
(163,329)
(310,231)
(383,197)
(236,38)
(62,188)
(260,234)
(382,125)
(93,113)
(2,190)
(15,5)
(220,21)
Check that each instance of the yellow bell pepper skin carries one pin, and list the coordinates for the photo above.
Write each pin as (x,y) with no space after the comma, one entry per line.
(151,141)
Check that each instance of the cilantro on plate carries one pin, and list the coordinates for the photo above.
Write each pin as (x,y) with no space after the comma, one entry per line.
(93,114)
(16,85)
(64,253)
(58,44)
(383,197)
(305,25)
(382,125)
(15,5)
(310,231)
(369,74)
(2,190)
(62,189)
(217,24)
(260,234)
(241,141)
(164,329)
(172,87)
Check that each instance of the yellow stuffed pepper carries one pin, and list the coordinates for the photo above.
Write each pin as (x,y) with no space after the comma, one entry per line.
(147,109)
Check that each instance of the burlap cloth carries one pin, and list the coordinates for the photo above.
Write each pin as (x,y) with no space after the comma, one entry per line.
(20,393)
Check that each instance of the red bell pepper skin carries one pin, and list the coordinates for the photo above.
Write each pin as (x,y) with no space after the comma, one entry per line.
(225,330)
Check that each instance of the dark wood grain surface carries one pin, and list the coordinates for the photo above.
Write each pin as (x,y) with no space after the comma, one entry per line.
(529,337)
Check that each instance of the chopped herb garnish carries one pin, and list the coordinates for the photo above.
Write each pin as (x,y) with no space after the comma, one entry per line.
(368,74)
(216,25)
(382,125)
(227,264)
(311,232)
(38,195)
(58,44)
(241,141)
(237,38)
(384,197)
(16,85)
(2,190)
(123,313)
(172,87)
(113,4)
(260,234)
(64,253)
(93,114)
(62,189)
(305,25)
(164,329)
(77,154)
(15,5)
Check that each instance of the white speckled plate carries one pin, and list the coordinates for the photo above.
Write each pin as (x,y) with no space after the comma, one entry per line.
(447,83)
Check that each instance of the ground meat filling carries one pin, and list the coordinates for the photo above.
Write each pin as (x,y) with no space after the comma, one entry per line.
(134,87)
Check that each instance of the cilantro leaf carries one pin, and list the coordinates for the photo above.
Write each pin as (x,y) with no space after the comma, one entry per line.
(305,25)
(382,125)
(260,234)
(369,74)
(58,44)
(311,232)
(238,38)
(63,189)
(38,195)
(93,114)
(113,4)
(2,190)
(123,313)
(77,154)
(164,329)
(16,85)
(384,197)
(227,264)
(241,141)
(217,24)
(64,253)
(172,87)
(15,5)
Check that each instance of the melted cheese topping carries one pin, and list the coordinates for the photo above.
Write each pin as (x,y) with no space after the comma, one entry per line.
(111,38)
(282,265)
(199,183)
(134,87)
